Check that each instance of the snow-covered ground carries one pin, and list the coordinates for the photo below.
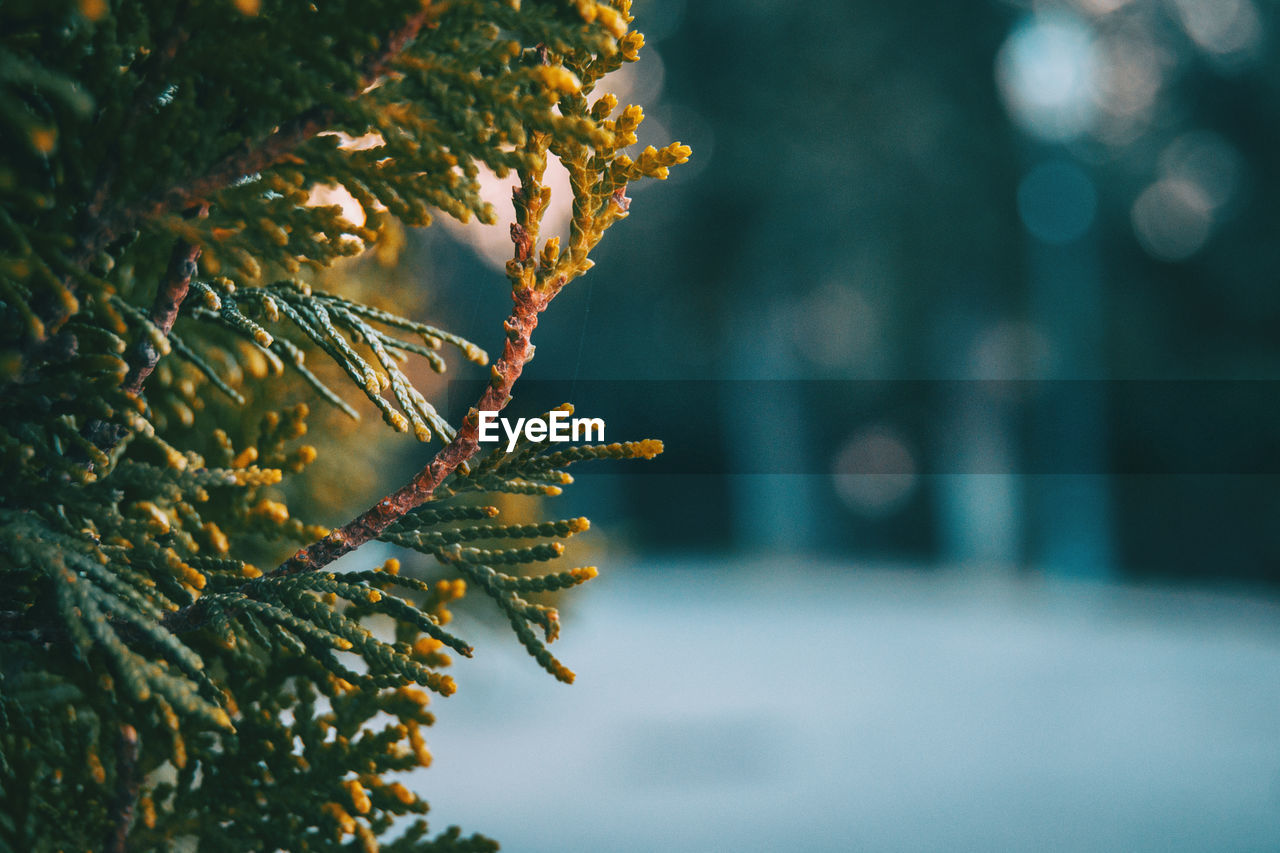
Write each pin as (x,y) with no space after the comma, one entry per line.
(788,706)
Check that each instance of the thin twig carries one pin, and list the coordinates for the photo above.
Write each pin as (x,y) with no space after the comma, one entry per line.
(248,159)
(369,524)
(164,310)
(530,301)
(126,798)
(253,157)
(144,356)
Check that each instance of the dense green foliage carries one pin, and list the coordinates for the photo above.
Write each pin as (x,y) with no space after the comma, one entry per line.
(156,232)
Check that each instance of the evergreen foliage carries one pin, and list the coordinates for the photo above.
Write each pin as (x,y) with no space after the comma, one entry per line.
(158,688)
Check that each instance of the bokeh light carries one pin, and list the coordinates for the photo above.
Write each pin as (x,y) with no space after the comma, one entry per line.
(1048,74)
(834,325)
(875,472)
(1057,202)
(1172,218)
(1229,30)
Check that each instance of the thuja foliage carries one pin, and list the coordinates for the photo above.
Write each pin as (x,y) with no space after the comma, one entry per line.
(181,666)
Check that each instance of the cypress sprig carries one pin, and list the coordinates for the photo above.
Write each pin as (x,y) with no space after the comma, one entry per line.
(336,326)
(157,232)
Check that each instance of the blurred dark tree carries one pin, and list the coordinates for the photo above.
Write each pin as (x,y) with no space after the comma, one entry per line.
(854,214)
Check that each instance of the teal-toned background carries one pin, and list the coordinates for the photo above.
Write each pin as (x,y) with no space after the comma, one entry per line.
(911,659)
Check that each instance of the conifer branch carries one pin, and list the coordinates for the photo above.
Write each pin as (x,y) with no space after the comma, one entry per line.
(128,595)
(106,226)
(531,293)
(159,61)
(164,310)
(251,158)
(529,300)
(518,350)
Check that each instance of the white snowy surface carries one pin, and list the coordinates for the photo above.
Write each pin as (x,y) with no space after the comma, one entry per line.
(781,705)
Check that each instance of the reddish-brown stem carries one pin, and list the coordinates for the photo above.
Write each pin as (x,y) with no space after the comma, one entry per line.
(517,351)
(281,142)
(144,356)
(164,310)
(529,303)
(126,797)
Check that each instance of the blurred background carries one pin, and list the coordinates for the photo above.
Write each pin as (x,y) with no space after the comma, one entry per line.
(962,328)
